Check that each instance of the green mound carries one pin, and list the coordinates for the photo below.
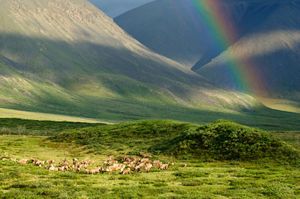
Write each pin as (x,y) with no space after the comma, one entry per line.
(128,137)
(224,140)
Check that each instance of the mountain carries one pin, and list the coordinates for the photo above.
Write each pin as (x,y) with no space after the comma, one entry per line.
(68,57)
(176,29)
(114,8)
(261,36)
(268,51)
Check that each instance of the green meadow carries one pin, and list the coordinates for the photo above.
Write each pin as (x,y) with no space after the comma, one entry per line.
(217,160)
(77,90)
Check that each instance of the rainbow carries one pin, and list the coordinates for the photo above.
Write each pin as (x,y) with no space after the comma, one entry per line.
(244,74)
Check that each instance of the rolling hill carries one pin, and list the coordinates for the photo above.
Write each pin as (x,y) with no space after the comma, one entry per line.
(70,58)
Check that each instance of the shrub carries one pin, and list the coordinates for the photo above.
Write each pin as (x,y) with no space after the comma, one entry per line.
(224,140)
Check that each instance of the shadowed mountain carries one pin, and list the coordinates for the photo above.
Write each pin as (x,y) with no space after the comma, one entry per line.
(268,51)
(115,8)
(69,57)
(177,29)
(260,37)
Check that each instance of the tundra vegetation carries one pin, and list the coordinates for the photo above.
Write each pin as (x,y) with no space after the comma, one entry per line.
(146,159)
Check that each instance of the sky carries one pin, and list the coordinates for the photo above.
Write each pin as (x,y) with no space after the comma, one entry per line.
(114,8)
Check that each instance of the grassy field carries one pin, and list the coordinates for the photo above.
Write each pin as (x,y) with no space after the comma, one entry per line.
(261,117)
(12,126)
(11,113)
(189,177)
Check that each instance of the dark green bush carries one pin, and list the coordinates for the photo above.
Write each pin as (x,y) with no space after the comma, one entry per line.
(225,140)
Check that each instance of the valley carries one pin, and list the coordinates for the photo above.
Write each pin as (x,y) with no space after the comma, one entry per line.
(149,99)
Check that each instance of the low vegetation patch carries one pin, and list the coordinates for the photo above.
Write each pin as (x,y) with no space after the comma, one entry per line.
(190,177)
(221,140)
(126,138)
(10,126)
(224,140)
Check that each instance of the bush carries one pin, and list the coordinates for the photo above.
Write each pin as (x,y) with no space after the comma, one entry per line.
(224,140)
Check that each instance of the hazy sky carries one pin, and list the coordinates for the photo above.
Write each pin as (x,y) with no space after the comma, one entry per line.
(116,7)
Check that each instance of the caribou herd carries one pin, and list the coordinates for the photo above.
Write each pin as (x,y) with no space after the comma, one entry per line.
(123,165)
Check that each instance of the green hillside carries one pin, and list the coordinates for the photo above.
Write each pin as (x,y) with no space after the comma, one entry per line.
(69,58)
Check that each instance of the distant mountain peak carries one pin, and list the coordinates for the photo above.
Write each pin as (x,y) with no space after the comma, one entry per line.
(115,8)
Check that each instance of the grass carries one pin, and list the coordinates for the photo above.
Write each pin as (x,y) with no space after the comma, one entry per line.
(10,126)
(128,111)
(11,113)
(199,179)
(222,140)
(49,102)
(290,137)
(123,138)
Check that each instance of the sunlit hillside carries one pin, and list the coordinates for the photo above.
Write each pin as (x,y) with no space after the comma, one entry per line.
(10,113)
(70,58)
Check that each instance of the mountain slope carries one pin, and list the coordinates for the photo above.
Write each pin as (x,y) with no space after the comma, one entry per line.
(252,42)
(272,47)
(115,8)
(177,29)
(69,57)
